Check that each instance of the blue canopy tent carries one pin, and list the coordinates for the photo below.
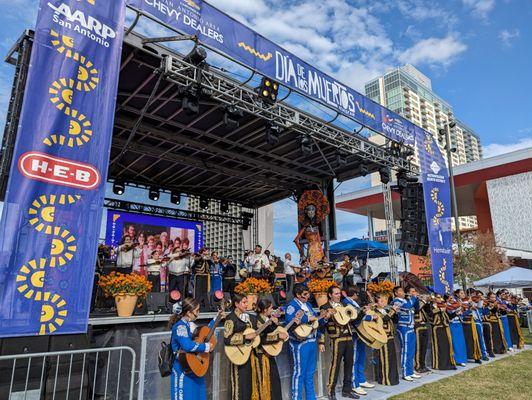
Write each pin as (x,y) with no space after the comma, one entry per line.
(358,247)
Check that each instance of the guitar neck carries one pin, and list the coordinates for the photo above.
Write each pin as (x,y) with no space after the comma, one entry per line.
(264,326)
(214,326)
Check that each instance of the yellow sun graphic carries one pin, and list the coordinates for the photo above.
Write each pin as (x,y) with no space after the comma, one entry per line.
(53,313)
(63,247)
(42,210)
(30,279)
(79,130)
(61,93)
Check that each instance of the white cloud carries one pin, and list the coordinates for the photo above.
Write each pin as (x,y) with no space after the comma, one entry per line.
(480,8)
(434,51)
(494,149)
(507,36)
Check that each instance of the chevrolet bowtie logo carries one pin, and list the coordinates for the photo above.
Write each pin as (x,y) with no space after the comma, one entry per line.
(192,4)
(92,2)
(263,57)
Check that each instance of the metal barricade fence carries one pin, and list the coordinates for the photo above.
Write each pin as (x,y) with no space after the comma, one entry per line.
(103,374)
(152,386)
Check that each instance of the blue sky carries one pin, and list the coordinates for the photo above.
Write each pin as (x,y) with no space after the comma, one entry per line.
(477,52)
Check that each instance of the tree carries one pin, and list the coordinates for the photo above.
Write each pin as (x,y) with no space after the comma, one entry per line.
(481,256)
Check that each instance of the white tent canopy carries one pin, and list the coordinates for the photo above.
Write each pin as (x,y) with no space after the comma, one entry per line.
(515,277)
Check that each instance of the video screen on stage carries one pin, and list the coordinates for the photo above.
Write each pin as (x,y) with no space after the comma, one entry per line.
(151,229)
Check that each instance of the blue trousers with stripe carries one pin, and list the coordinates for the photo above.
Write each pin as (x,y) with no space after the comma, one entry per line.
(407,336)
(506,327)
(360,362)
(480,332)
(186,387)
(459,344)
(305,358)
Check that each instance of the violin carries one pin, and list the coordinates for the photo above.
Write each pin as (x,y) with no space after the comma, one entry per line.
(453,305)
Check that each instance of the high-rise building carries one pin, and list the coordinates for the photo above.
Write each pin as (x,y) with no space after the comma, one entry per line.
(408,92)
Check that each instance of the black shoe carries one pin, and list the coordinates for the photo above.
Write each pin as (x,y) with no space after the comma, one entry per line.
(478,362)
(331,396)
(350,395)
(492,355)
(485,358)
(454,367)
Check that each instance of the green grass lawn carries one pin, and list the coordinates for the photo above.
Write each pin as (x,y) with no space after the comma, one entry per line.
(506,379)
(528,336)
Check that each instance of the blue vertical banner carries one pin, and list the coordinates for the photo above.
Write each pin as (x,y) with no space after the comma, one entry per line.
(436,193)
(54,201)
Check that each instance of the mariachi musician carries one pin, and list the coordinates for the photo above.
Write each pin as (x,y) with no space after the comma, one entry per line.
(244,378)
(216,271)
(491,313)
(304,349)
(202,278)
(503,313)
(359,381)
(471,335)
(179,267)
(513,321)
(342,348)
(270,379)
(387,372)
(442,347)
(421,328)
(454,310)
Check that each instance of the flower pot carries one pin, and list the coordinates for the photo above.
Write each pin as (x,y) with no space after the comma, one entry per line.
(125,304)
(321,298)
(252,301)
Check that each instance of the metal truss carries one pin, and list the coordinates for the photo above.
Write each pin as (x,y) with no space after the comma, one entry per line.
(230,92)
(390,229)
(123,205)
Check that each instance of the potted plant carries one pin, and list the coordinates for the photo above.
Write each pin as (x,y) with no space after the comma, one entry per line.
(319,287)
(252,288)
(126,290)
(384,287)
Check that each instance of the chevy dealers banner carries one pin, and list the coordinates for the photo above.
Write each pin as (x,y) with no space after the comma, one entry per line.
(220,31)
(52,212)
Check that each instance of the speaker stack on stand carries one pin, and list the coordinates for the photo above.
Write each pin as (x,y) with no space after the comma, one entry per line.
(414,235)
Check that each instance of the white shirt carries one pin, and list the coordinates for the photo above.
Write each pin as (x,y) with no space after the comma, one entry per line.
(262,259)
(289,267)
(125,258)
(180,266)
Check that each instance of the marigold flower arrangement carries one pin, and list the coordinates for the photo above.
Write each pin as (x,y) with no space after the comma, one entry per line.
(384,287)
(320,285)
(253,286)
(117,283)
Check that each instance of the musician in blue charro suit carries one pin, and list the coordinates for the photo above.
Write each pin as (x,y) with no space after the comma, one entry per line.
(405,329)
(186,386)
(304,351)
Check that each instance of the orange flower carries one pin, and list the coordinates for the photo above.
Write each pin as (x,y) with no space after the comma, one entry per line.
(320,285)
(384,287)
(117,283)
(253,286)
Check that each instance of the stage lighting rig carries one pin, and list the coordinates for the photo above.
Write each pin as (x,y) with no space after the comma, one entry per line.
(246,220)
(232,116)
(119,187)
(402,181)
(153,193)
(197,57)
(384,172)
(305,145)
(175,197)
(341,158)
(395,148)
(268,90)
(224,206)
(364,170)
(204,203)
(273,134)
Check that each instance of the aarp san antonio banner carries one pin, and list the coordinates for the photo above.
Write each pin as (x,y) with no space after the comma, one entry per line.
(52,212)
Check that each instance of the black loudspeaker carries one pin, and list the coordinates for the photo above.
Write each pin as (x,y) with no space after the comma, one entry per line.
(414,235)
(158,303)
(10,346)
(74,372)
(332,214)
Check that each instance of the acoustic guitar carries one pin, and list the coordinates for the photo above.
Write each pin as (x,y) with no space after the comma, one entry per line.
(344,315)
(303,331)
(274,349)
(198,363)
(239,354)
(372,333)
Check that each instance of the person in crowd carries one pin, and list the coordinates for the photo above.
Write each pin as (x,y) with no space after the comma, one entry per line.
(387,371)
(202,278)
(341,339)
(454,309)
(141,255)
(503,314)
(151,244)
(125,255)
(421,329)
(157,269)
(244,379)
(216,272)
(491,312)
(366,272)
(471,335)
(258,262)
(442,346)
(345,270)
(163,239)
(513,321)
(289,272)
(270,379)
(131,232)
(359,382)
(229,275)
(486,326)
(405,329)
(186,386)
(180,261)
(304,350)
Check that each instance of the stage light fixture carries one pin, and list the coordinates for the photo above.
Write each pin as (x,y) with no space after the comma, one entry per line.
(196,56)
(204,203)
(305,144)
(175,197)
(231,117)
(402,181)
(273,134)
(153,193)
(190,105)
(341,158)
(384,172)
(119,187)
(441,135)
(395,148)
(224,206)
(268,90)
(364,170)
(408,151)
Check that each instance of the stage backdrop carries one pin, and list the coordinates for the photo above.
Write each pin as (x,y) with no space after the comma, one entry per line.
(151,228)
(220,31)
(52,212)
